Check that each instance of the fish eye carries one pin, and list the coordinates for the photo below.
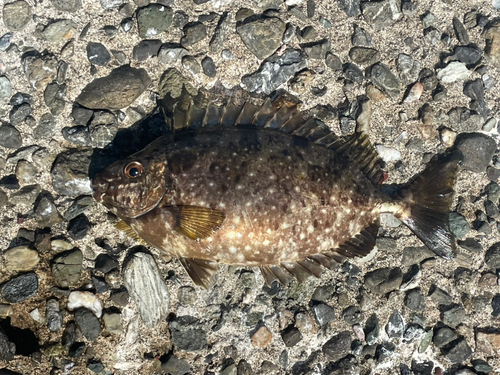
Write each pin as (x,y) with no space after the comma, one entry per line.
(133,169)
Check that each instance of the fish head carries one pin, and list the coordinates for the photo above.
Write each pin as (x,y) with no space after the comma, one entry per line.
(135,185)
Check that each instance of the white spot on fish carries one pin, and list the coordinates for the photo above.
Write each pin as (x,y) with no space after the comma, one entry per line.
(266,242)
(310,229)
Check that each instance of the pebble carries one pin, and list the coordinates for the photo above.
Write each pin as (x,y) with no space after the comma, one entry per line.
(453,72)
(382,77)
(353,315)
(381,14)
(464,120)
(146,49)
(26,195)
(16,15)
(194,33)
(459,226)
(154,19)
(70,6)
(384,280)
(468,55)
(364,56)
(338,346)
(388,154)
(112,323)
(422,368)
(475,90)
(143,281)
(46,213)
(81,116)
(9,182)
(127,24)
(428,19)
(67,268)
(170,54)
(10,137)
(454,316)
(492,257)
(172,83)
(78,135)
(61,30)
(20,258)
(395,326)
(187,334)
(448,137)
(291,336)
(428,78)
(191,64)
(77,299)
(5,41)
(218,41)
(415,300)
(176,366)
(350,7)
(209,67)
(353,73)
(408,68)
(262,337)
(20,288)
(333,61)
(115,91)
(262,36)
(477,150)
(78,227)
(55,97)
(98,54)
(323,314)
(460,31)
(5,88)
(444,336)
(361,38)
(103,129)
(414,94)
(276,71)
(19,113)
(440,296)
(316,50)
(39,70)
(459,352)
(53,315)
(88,324)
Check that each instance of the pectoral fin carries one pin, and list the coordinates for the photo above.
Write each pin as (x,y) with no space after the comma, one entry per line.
(196,222)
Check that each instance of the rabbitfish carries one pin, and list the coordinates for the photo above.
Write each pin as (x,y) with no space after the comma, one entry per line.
(261,186)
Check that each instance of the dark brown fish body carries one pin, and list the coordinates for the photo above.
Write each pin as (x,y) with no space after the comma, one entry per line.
(249,196)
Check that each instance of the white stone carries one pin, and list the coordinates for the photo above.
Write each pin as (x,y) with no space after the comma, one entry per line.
(147,288)
(292,3)
(88,300)
(448,137)
(388,154)
(454,71)
(21,258)
(60,245)
(220,3)
(496,4)
(37,317)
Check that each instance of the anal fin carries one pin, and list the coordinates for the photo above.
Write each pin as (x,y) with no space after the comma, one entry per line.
(200,270)
(358,246)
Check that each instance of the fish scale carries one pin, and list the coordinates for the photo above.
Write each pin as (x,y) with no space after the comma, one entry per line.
(262,186)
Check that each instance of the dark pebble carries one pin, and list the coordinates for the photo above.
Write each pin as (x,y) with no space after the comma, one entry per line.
(153,20)
(333,61)
(78,135)
(81,116)
(262,36)
(382,77)
(352,315)
(384,351)
(99,284)
(127,24)
(353,73)
(110,31)
(338,346)
(187,334)
(47,125)
(20,98)
(78,227)
(495,305)
(53,315)
(477,150)
(88,324)
(98,54)
(9,182)
(10,137)
(460,31)
(291,336)
(422,368)
(361,38)
(55,97)
(364,56)
(415,300)
(395,325)
(5,41)
(180,19)
(454,316)
(412,332)
(146,49)
(350,7)
(193,33)
(481,366)
(372,329)
(76,350)
(96,367)
(469,55)
(19,113)
(384,280)
(105,263)
(428,79)
(79,206)
(208,66)
(443,336)
(176,366)
(323,314)
(20,288)
(440,296)
(316,50)
(458,351)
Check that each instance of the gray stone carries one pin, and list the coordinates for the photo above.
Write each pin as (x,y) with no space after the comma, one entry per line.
(115,91)
(209,67)
(275,71)
(218,41)
(350,7)
(191,64)
(26,195)
(440,296)
(79,206)
(475,90)
(415,300)
(59,31)
(153,20)
(469,55)
(67,268)
(20,288)
(103,129)
(88,323)
(193,33)
(53,315)
(5,42)
(19,113)
(492,257)
(353,315)
(408,68)
(46,213)
(78,135)
(5,88)
(67,5)
(459,351)
(172,82)
(364,56)
(187,334)
(7,351)
(262,36)
(333,61)
(98,54)
(444,336)
(385,80)
(143,281)
(10,137)
(78,227)
(323,314)
(460,31)
(176,366)
(361,38)
(459,225)
(338,346)
(146,49)
(316,50)
(70,173)
(55,97)
(454,316)
(477,150)
(39,70)
(169,54)
(384,280)
(381,14)
(291,336)
(16,15)
(464,120)
(395,326)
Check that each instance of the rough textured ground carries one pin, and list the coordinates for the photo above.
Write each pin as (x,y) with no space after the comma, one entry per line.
(226,317)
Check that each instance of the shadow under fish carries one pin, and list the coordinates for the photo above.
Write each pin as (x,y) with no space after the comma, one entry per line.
(262,186)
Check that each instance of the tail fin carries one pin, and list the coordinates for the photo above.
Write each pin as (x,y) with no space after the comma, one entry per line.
(428,199)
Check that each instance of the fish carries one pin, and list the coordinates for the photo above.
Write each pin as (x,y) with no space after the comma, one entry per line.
(265,186)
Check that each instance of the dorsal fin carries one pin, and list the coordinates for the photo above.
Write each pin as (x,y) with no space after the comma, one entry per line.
(284,117)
